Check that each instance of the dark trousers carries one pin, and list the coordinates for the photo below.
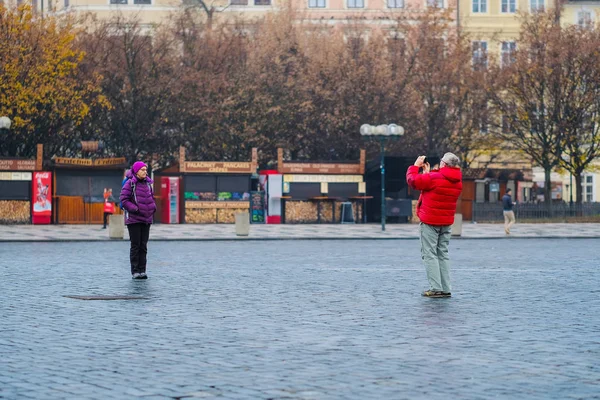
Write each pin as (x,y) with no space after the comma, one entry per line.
(138,234)
(106,218)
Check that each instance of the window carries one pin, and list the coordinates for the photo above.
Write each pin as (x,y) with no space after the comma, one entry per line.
(355,45)
(479,55)
(507,53)
(480,6)
(262,2)
(67,3)
(239,2)
(435,3)
(396,46)
(536,5)
(584,19)
(588,188)
(316,4)
(142,1)
(509,6)
(395,3)
(356,3)
(118,1)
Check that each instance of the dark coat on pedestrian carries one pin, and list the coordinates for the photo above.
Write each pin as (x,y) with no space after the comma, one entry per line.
(139,205)
(507,203)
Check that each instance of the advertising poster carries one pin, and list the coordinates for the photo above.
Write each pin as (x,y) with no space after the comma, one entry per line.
(257,207)
(42,197)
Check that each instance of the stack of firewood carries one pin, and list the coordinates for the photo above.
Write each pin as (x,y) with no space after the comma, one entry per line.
(414,219)
(300,211)
(227,215)
(200,215)
(15,212)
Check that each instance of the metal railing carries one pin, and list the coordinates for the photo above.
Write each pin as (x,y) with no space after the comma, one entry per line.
(492,212)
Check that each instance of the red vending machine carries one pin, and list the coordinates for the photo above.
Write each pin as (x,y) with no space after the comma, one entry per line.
(41,198)
(169,194)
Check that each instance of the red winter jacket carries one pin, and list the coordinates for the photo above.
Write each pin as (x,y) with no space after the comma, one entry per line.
(440,190)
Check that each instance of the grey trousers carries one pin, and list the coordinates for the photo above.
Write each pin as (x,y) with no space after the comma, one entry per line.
(434,252)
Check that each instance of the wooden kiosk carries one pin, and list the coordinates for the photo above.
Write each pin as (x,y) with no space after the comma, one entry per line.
(213,191)
(79,185)
(16,189)
(314,192)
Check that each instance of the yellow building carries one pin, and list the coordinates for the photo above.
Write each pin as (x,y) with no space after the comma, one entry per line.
(493,25)
(581,13)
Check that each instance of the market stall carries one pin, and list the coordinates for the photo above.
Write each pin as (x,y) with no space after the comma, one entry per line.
(21,200)
(80,185)
(210,192)
(322,192)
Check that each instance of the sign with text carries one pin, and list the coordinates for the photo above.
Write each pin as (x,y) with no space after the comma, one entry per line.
(285,167)
(17,165)
(110,161)
(320,168)
(88,162)
(217,204)
(15,176)
(41,197)
(323,178)
(219,167)
(257,207)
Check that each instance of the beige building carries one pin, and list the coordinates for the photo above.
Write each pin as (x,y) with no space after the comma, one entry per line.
(318,11)
(582,13)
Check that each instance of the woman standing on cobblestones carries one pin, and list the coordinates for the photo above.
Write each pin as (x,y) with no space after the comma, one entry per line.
(137,199)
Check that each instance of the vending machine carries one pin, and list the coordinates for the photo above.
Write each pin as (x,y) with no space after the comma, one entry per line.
(41,202)
(271,183)
(169,194)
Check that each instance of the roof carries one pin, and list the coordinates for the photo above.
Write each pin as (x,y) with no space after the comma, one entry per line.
(499,174)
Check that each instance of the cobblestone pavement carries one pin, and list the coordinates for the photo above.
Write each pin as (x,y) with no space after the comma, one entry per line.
(274,232)
(300,320)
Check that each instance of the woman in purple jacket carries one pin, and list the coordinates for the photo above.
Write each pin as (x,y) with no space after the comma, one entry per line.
(137,199)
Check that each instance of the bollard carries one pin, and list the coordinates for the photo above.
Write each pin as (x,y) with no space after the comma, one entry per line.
(116,226)
(457,225)
(242,224)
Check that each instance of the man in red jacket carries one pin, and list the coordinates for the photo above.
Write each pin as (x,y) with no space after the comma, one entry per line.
(436,207)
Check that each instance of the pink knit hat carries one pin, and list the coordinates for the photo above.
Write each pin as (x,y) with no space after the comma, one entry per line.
(137,166)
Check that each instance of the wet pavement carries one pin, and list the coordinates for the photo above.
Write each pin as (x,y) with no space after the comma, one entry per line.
(300,320)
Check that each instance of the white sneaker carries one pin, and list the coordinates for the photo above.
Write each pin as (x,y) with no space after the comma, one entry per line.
(136,276)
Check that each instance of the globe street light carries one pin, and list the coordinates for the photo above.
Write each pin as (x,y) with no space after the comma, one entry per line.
(5,123)
(4,127)
(381,133)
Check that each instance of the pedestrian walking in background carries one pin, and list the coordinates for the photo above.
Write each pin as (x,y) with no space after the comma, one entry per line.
(436,207)
(109,205)
(137,199)
(509,214)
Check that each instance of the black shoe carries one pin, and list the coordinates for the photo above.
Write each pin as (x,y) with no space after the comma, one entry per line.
(433,293)
(103,227)
(143,275)
(447,294)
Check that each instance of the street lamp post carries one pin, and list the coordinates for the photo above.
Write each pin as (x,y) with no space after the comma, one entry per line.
(381,133)
(567,158)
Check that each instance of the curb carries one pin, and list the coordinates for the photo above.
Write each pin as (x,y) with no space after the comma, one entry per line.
(311,238)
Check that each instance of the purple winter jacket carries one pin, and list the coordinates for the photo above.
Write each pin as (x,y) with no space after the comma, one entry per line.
(139,207)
